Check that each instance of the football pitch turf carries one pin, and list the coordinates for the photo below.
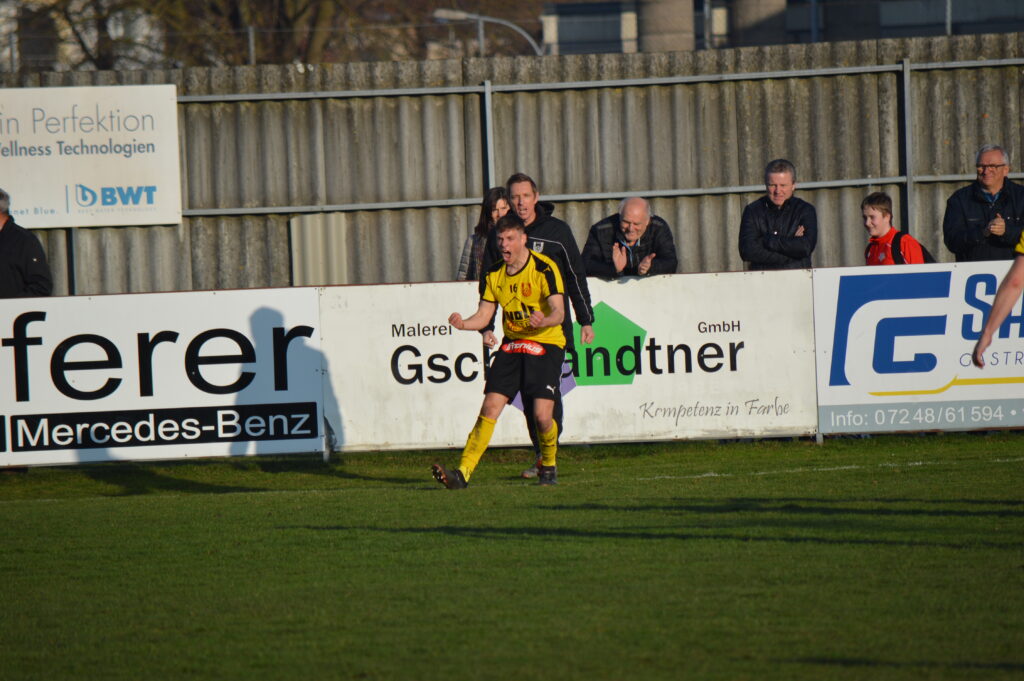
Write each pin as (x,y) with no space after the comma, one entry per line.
(878,558)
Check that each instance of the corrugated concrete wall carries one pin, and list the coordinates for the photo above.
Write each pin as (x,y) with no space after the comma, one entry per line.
(259,155)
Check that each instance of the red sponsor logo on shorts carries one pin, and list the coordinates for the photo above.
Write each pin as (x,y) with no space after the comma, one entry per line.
(526,347)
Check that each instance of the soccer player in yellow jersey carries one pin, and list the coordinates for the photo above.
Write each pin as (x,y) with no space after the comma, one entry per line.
(528,287)
(1006,297)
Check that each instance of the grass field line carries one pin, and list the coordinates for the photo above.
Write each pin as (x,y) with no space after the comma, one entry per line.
(824,469)
(580,477)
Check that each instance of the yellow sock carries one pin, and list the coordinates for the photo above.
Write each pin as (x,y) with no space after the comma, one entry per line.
(476,444)
(548,445)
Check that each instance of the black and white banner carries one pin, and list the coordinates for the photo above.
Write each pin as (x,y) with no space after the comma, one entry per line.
(160,376)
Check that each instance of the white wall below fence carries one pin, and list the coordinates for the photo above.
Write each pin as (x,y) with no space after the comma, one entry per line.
(740,354)
(675,357)
(894,350)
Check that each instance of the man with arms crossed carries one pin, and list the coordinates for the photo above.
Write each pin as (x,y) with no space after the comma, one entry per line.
(528,287)
(778,231)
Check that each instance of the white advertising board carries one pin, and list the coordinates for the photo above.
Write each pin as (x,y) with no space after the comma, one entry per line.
(160,376)
(91,156)
(680,356)
(894,350)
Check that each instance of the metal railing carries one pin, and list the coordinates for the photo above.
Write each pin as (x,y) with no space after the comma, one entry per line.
(906,179)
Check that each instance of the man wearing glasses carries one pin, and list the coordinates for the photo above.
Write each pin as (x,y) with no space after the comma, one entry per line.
(984,220)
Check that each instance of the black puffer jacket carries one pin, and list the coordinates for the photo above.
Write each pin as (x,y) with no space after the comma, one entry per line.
(23,268)
(968,213)
(597,252)
(552,237)
(768,238)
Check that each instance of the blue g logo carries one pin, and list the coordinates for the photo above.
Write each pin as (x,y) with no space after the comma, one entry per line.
(857,291)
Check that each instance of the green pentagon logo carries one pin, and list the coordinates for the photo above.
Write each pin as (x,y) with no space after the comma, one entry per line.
(614,358)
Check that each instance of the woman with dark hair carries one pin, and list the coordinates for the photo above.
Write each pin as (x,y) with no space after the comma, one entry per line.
(494,205)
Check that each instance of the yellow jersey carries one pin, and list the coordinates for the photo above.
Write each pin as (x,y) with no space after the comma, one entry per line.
(520,294)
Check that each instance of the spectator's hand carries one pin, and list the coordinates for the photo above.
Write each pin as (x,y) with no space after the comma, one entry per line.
(799,231)
(645,265)
(490,340)
(979,351)
(456,320)
(536,319)
(998,226)
(619,257)
(587,334)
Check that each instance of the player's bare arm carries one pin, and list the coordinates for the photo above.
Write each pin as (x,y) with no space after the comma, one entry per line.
(1006,297)
(477,321)
(556,305)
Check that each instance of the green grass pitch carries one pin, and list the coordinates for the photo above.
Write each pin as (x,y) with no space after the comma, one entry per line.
(880,558)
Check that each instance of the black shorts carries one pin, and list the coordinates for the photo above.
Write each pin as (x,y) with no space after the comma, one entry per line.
(529,367)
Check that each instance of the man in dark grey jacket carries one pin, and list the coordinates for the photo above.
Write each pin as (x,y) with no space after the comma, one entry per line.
(984,220)
(23,269)
(778,231)
(631,243)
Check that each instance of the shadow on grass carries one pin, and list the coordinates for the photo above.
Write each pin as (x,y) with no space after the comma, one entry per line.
(643,535)
(317,467)
(857,662)
(808,507)
(134,480)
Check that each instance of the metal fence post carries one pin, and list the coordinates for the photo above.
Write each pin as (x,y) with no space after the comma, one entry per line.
(488,140)
(908,148)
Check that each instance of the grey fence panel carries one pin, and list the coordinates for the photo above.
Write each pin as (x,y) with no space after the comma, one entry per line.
(957,110)
(262,178)
(55,245)
(380,247)
(931,207)
(239,252)
(131,260)
(201,253)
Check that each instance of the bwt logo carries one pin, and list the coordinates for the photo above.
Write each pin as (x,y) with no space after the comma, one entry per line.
(857,291)
(86,197)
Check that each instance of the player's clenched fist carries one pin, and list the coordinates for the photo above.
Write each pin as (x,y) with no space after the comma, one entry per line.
(456,320)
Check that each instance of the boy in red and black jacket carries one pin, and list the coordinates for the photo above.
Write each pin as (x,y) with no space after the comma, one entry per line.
(881,250)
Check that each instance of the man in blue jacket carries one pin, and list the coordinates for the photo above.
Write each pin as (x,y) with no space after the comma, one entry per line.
(631,243)
(778,231)
(984,220)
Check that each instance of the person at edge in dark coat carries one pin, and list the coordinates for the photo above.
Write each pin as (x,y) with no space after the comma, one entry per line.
(23,269)
(985,219)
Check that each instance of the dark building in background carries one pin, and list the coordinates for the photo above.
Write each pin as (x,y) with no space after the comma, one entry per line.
(589,28)
(679,25)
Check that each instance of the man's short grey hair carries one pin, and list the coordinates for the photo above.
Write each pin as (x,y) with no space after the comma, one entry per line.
(779,165)
(992,147)
(647,205)
(5,202)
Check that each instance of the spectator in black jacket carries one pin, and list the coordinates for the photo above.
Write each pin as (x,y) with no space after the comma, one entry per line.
(984,220)
(631,243)
(778,231)
(23,269)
